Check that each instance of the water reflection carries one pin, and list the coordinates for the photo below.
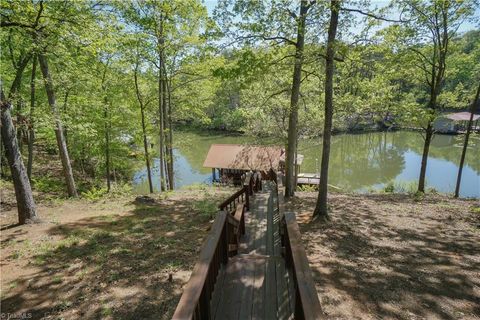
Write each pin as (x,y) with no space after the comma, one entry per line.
(358,161)
(185,174)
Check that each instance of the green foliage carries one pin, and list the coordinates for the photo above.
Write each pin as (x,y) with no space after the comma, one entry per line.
(206,207)
(48,184)
(93,49)
(389,188)
(94,193)
(418,196)
(307,188)
(405,187)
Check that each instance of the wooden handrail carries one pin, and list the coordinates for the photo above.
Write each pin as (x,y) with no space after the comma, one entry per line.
(307,305)
(221,243)
(252,184)
(195,300)
(230,204)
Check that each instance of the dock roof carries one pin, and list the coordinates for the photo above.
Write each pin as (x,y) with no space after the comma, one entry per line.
(243,157)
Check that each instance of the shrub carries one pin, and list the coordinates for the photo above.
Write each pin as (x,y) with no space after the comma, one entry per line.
(47,184)
(307,188)
(389,188)
(94,194)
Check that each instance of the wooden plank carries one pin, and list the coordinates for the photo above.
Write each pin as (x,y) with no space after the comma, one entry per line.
(270,278)
(270,290)
(269,229)
(248,278)
(284,292)
(217,292)
(284,309)
(304,280)
(258,310)
(229,304)
(260,246)
(251,226)
(191,294)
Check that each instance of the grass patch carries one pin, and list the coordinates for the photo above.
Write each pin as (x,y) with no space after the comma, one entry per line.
(475,210)
(206,207)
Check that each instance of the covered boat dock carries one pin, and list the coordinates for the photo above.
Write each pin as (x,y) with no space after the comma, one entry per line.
(229,162)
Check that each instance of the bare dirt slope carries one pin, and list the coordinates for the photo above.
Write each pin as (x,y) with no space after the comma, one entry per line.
(112,259)
(390,257)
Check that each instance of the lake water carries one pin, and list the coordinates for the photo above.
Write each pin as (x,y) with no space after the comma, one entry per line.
(358,162)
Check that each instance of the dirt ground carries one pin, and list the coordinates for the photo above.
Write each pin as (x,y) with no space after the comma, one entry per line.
(380,257)
(111,259)
(391,257)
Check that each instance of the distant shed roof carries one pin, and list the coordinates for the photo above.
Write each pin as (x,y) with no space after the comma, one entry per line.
(462,116)
(243,157)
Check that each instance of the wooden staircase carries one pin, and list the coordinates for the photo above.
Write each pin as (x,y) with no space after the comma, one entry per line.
(253,265)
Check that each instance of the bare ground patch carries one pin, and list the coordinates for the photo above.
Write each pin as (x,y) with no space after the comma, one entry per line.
(390,257)
(112,259)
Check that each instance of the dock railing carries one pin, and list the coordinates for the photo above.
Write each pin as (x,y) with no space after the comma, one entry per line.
(221,243)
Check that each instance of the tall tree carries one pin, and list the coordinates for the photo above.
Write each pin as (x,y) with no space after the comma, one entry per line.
(31,121)
(59,133)
(144,130)
(23,191)
(293,114)
(473,107)
(159,32)
(433,24)
(107,124)
(171,28)
(321,206)
(279,24)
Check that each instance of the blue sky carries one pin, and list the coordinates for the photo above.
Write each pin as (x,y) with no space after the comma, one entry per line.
(210,4)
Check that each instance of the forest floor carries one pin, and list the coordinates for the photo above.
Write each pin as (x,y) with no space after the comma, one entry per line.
(110,259)
(393,256)
(383,256)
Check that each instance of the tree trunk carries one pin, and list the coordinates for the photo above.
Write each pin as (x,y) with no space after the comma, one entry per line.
(423,166)
(106,120)
(169,136)
(161,106)
(293,115)
(23,191)
(165,133)
(440,49)
(62,147)
(161,137)
(19,123)
(465,143)
(144,131)
(65,103)
(31,128)
(321,206)
(107,144)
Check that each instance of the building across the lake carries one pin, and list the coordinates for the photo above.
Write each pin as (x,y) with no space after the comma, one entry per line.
(230,161)
(455,122)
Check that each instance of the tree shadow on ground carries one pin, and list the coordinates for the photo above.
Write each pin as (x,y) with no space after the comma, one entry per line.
(121,266)
(396,259)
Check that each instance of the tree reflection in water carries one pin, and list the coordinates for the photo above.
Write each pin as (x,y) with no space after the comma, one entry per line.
(358,161)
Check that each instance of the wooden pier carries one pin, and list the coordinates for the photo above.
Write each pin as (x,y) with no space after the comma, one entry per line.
(308,179)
